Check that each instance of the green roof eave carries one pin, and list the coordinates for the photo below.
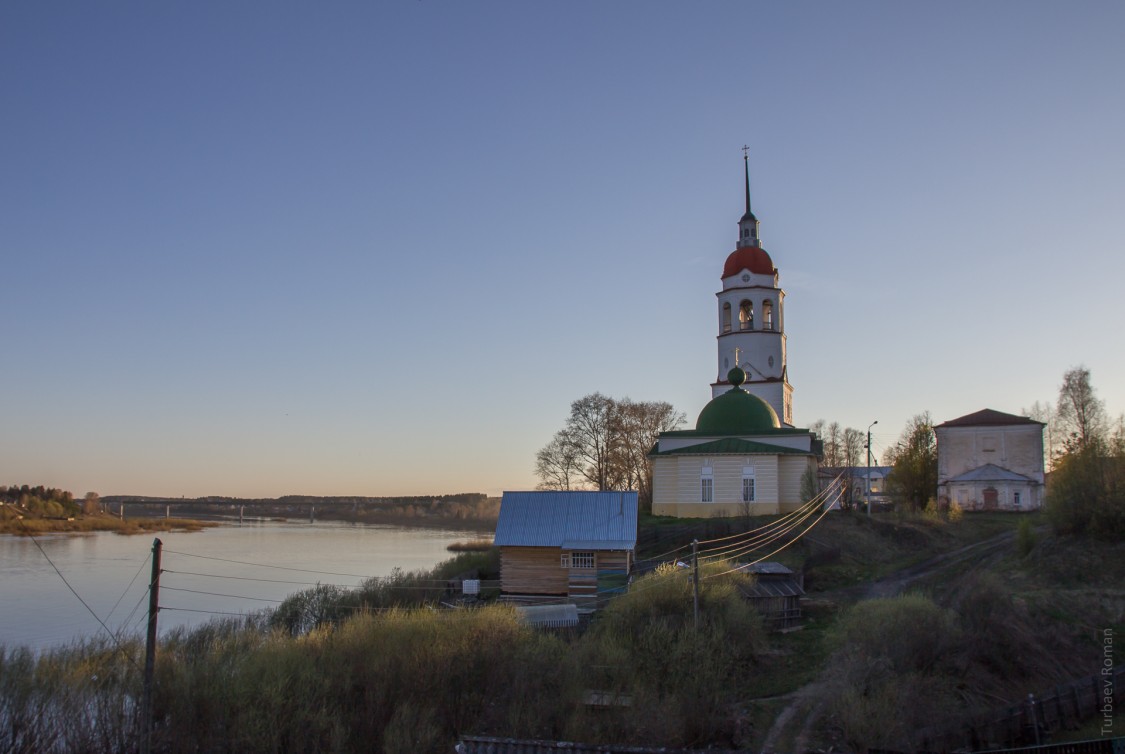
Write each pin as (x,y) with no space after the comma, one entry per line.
(756,432)
(732,445)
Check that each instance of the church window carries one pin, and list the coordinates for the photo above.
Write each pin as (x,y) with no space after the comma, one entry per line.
(726,317)
(746,315)
(707,484)
(767,315)
(1016,499)
(748,484)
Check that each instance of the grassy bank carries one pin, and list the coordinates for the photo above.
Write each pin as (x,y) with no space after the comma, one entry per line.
(85,524)
(383,667)
(370,675)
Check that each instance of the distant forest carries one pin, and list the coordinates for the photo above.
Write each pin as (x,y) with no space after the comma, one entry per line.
(470,498)
(40,500)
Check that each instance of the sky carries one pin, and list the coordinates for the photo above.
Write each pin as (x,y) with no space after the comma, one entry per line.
(354,248)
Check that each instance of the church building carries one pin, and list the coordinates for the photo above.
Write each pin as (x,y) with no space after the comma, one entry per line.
(744,456)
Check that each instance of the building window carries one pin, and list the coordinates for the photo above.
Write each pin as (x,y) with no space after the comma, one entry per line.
(565,560)
(707,489)
(767,315)
(582,560)
(1016,498)
(747,484)
(746,316)
(726,317)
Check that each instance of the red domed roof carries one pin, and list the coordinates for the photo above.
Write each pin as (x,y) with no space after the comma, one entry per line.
(750,258)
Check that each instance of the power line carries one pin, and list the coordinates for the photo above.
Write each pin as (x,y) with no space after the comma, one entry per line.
(383,582)
(267,565)
(249,578)
(112,637)
(775,552)
(135,575)
(216,594)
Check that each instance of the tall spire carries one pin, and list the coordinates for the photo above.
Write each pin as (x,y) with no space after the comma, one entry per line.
(748,224)
(746,169)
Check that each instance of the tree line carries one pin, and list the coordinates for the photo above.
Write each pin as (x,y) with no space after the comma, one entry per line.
(1085,450)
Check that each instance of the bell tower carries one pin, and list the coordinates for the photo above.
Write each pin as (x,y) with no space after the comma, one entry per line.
(752,318)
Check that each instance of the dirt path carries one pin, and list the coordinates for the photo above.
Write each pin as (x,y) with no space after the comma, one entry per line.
(805,699)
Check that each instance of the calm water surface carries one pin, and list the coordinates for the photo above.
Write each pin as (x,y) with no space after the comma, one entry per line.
(111,573)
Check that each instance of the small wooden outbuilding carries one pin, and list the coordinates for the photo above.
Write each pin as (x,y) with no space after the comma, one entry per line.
(572,547)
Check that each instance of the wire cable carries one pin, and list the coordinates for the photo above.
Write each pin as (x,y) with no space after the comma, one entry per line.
(112,637)
(216,594)
(135,575)
(775,552)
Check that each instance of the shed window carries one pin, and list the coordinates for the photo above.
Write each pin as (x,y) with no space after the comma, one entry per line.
(582,560)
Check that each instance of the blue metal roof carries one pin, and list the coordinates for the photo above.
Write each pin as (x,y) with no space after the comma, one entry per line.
(555,519)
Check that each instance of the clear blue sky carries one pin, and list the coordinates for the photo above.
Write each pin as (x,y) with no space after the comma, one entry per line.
(378,248)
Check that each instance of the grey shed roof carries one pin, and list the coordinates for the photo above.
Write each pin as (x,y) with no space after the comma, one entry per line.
(549,616)
(990,472)
(574,520)
(488,745)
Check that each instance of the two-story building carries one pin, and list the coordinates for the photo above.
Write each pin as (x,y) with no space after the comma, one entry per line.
(990,460)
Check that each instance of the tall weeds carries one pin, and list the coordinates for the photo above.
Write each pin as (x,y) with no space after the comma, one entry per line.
(318,676)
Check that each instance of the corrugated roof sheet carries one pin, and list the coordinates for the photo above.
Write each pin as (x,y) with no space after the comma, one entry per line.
(555,519)
(488,745)
(770,567)
(767,589)
(550,616)
(729,445)
(990,472)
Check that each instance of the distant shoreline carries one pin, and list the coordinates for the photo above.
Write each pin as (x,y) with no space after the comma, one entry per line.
(473,513)
(88,524)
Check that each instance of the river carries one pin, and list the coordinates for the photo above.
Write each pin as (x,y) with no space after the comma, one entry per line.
(227,569)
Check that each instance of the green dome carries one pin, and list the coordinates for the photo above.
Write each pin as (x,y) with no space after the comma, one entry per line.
(736,412)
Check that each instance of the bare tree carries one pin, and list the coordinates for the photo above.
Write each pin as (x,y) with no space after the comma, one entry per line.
(605,445)
(1081,414)
(636,426)
(852,447)
(558,464)
(1044,412)
(591,426)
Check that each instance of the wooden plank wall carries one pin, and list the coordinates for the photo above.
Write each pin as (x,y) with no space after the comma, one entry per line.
(532,570)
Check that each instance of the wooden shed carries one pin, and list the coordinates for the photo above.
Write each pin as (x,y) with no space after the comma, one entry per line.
(572,547)
(776,593)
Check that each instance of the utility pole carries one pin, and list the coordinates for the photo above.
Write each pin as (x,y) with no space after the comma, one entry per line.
(867,491)
(695,579)
(150,648)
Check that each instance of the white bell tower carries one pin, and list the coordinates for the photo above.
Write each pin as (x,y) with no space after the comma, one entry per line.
(752,318)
